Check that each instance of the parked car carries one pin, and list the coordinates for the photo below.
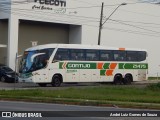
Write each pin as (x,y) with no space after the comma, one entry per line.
(7,74)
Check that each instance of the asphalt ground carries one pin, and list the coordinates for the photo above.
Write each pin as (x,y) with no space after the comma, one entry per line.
(64,112)
(10,86)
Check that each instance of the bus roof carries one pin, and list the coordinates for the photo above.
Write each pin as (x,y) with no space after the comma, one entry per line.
(79,46)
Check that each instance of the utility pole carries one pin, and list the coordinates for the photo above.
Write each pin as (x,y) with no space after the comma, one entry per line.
(100,24)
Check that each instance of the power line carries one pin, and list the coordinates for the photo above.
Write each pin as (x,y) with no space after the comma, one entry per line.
(61,20)
(75,17)
(138,22)
(78,7)
(84,2)
(66,9)
(81,7)
(139,13)
(98,21)
(92,19)
(149,1)
(120,30)
(40,17)
(132,32)
(135,26)
(79,18)
(140,25)
(42,12)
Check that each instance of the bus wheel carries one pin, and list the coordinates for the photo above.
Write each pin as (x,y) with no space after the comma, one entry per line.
(127,80)
(56,81)
(42,84)
(118,80)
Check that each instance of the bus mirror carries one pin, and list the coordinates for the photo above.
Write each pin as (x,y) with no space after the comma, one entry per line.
(19,56)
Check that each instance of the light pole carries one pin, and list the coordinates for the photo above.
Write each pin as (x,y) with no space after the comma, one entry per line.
(101,24)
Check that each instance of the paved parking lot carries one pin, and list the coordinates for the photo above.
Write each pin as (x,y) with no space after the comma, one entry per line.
(10,86)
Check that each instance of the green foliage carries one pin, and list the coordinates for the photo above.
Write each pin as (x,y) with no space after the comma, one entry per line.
(153,78)
(122,93)
(154,87)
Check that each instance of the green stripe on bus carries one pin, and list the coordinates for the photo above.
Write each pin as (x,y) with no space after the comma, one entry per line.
(133,66)
(81,65)
(106,65)
(102,72)
(60,65)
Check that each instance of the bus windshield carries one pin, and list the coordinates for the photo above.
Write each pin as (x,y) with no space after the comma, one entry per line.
(35,60)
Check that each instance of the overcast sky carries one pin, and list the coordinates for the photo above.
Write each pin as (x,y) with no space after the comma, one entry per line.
(154,1)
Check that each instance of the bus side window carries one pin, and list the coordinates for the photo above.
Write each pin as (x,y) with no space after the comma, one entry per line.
(132,56)
(106,55)
(141,55)
(119,55)
(62,54)
(92,55)
(77,54)
(57,57)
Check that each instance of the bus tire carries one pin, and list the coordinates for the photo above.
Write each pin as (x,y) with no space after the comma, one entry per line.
(42,84)
(56,81)
(127,80)
(117,80)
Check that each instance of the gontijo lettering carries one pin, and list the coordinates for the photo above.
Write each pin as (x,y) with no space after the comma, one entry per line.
(75,65)
(78,65)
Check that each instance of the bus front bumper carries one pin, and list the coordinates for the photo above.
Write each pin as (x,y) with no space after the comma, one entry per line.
(25,80)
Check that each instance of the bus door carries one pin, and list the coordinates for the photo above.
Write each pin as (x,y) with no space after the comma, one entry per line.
(41,75)
(40,64)
(67,69)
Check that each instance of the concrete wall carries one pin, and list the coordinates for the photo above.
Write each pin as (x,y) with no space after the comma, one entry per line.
(3,40)
(75,34)
(42,32)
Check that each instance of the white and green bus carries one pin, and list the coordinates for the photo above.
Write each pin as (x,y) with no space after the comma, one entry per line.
(71,63)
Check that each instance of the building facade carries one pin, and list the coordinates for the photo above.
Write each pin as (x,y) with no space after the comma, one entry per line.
(41,21)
